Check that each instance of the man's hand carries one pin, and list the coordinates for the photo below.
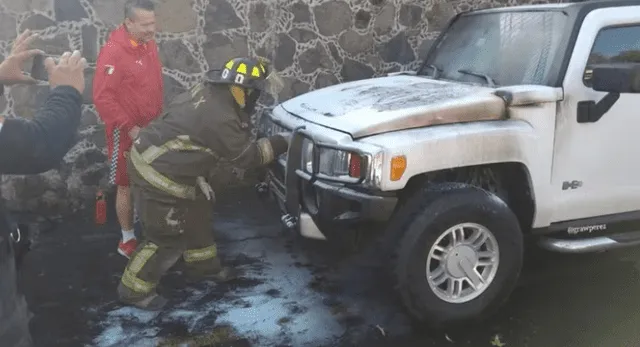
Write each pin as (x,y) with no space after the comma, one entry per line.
(133,133)
(68,72)
(11,67)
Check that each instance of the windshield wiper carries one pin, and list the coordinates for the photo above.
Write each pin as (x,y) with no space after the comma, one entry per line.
(436,71)
(488,78)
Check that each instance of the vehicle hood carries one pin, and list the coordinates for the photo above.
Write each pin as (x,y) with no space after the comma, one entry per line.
(384,104)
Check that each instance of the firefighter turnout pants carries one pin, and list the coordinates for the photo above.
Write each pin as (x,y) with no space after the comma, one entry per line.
(173,229)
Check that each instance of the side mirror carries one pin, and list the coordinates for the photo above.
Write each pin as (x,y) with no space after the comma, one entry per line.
(616,78)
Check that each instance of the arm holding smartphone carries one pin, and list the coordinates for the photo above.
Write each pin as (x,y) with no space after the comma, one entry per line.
(37,145)
(29,147)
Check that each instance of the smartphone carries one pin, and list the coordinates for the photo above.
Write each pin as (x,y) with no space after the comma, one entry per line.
(38,70)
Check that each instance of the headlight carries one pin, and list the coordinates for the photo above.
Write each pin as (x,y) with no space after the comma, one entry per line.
(332,162)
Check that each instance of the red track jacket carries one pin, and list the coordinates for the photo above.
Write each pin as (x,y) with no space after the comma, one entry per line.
(127,86)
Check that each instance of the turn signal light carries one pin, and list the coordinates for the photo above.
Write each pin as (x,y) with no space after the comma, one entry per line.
(355,165)
(398,165)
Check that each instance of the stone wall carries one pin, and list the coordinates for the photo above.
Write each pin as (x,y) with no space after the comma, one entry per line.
(314,43)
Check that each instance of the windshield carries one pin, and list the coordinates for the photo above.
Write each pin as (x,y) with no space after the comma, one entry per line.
(501,48)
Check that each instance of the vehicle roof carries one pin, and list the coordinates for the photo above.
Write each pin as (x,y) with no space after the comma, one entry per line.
(574,5)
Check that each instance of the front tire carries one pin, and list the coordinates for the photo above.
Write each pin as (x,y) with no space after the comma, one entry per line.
(459,256)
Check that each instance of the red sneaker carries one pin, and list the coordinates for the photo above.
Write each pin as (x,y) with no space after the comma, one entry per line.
(127,248)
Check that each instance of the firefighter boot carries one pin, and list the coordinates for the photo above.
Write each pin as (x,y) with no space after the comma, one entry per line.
(148,302)
(210,270)
(142,275)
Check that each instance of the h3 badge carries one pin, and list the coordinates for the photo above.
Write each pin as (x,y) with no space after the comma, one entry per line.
(571,185)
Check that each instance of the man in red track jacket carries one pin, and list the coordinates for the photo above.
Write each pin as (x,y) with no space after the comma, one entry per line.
(128,94)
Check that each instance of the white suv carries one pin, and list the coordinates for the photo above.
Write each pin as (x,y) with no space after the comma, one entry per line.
(520,121)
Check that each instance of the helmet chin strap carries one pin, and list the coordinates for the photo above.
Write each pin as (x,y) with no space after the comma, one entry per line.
(239,95)
(246,102)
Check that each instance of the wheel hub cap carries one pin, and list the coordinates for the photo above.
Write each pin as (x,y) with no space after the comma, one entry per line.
(462,262)
(455,258)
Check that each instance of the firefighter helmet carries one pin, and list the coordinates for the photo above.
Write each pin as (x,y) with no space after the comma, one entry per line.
(244,72)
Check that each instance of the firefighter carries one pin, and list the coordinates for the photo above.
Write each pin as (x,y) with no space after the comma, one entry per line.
(169,166)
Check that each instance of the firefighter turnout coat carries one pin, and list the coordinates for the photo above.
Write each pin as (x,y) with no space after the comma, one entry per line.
(200,128)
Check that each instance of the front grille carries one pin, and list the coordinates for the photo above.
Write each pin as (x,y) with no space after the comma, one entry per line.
(270,128)
(278,171)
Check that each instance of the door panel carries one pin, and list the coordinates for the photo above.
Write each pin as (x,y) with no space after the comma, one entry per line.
(602,157)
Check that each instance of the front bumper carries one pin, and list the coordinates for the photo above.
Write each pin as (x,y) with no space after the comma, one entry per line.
(314,204)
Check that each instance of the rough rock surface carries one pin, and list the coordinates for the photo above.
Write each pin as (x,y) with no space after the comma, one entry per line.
(314,43)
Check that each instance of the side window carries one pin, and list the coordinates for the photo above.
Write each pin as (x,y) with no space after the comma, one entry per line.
(614,45)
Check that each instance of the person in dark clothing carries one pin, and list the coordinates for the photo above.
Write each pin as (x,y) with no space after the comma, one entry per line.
(169,164)
(31,147)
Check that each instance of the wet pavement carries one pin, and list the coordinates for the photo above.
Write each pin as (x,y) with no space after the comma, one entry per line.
(299,293)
